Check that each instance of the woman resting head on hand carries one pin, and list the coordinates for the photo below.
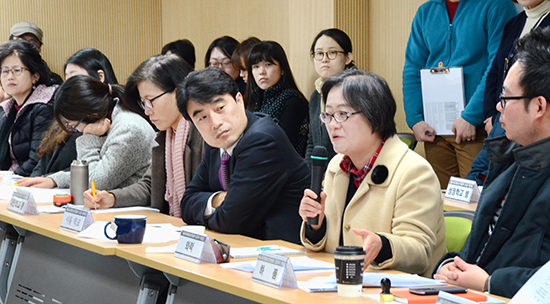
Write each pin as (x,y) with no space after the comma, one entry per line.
(115,142)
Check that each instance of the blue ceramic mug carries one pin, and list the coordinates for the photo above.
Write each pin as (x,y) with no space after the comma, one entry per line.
(129,229)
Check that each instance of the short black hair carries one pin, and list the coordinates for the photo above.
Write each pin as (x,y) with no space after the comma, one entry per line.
(202,86)
(368,93)
(183,48)
(533,54)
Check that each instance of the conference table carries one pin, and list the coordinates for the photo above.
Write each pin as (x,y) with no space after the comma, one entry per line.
(43,264)
(452,205)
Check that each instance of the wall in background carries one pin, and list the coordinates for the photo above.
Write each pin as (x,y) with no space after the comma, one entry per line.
(129,31)
(126,31)
(292,23)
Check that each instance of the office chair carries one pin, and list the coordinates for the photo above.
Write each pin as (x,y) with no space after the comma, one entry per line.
(457,228)
(409,139)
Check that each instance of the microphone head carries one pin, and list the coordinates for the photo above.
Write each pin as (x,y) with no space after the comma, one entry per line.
(319,156)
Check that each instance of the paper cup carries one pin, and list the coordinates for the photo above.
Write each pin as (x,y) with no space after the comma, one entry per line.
(349,262)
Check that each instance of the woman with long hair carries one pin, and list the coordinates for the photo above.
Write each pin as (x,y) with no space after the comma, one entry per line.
(273,91)
(180,146)
(58,148)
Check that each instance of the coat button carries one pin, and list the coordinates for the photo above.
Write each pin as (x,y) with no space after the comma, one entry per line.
(347,227)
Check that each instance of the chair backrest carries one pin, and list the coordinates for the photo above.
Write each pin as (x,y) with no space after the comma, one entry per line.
(409,139)
(457,228)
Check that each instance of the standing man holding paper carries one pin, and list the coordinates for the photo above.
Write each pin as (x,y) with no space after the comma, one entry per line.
(251,178)
(453,33)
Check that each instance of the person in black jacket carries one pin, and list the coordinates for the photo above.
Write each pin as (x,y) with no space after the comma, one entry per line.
(273,91)
(258,189)
(26,115)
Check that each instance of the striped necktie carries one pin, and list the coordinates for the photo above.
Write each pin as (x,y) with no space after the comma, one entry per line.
(223,173)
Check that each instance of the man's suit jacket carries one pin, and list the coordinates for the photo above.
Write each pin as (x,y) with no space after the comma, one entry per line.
(266,184)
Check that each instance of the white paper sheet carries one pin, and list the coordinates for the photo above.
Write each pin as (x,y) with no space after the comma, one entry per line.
(301,263)
(39,195)
(124,209)
(442,98)
(376,297)
(536,290)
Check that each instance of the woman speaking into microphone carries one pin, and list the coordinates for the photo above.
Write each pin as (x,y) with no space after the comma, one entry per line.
(378,193)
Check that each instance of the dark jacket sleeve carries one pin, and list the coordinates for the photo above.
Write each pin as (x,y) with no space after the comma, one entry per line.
(196,195)
(259,176)
(41,116)
(291,119)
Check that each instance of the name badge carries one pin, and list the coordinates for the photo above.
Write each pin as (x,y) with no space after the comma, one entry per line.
(76,219)
(195,247)
(274,270)
(22,202)
(463,190)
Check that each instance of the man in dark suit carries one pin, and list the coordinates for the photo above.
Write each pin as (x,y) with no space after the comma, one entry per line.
(509,240)
(257,191)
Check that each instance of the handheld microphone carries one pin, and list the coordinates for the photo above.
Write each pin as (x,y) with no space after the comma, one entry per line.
(318,164)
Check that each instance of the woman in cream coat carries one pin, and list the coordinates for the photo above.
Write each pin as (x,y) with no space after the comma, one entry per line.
(392,205)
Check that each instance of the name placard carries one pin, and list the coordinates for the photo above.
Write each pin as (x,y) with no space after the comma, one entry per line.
(274,270)
(195,247)
(22,202)
(463,190)
(76,219)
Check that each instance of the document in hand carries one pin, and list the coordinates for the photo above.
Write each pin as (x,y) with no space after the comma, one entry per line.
(536,290)
(442,97)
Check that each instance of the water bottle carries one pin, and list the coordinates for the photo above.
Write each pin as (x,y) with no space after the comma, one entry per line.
(79,181)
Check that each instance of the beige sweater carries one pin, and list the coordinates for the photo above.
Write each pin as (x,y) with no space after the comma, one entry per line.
(407,208)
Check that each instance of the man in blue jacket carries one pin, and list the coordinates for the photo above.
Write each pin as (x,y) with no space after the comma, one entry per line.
(510,237)
(465,34)
(251,179)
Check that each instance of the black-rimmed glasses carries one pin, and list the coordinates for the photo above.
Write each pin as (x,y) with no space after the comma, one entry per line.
(504,99)
(72,128)
(148,103)
(339,116)
(221,64)
(330,55)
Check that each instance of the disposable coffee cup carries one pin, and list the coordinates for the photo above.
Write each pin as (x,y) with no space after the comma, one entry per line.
(5,178)
(129,229)
(349,262)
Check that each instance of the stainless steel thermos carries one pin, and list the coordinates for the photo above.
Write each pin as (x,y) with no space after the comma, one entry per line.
(79,181)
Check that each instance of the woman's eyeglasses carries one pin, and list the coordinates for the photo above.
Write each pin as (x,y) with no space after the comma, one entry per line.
(17,71)
(148,103)
(339,116)
(71,127)
(221,64)
(330,55)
